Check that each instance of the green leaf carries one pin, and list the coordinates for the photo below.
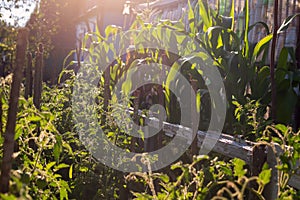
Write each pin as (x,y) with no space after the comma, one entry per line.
(262,24)
(231,14)
(198,102)
(57,149)
(191,18)
(64,188)
(217,30)
(164,178)
(260,46)
(18,130)
(61,166)
(49,165)
(41,183)
(71,172)
(280,78)
(8,197)
(287,22)
(34,118)
(83,169)
(226,170)
(170,78)
(110,134)
(292,53)
(205,15)
(239,170)
(286,102)
(25,178)
(246,40)
(53,184)
(263,73)
(142,196)
(63,194)
(111,30)
(265,176)
(283,58)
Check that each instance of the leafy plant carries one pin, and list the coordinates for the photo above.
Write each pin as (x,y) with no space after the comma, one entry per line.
(201,179)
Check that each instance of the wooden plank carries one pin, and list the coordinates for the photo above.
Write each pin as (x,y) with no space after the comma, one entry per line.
(295,181)
(226,145)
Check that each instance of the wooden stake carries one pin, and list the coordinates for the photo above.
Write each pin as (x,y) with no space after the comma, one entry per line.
(28,80)
(106,92)
(136,103)
(38,77)
(194,145)
(272,61)
(271,190)
(1,125)
(8,145)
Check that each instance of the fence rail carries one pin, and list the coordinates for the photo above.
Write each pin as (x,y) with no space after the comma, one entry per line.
(253,153)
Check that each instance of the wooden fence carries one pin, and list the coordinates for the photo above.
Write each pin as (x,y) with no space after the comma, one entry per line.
(254,154)
(260,10)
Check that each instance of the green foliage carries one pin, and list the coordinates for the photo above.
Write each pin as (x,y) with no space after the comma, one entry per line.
(8,35)
(288,161)
(50,162)
(36,173)
(43,26)
(250,119)
(200,180)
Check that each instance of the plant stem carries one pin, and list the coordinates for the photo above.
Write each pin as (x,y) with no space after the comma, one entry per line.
(272,61)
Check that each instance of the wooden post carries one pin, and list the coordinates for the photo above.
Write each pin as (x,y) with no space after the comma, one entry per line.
(28,80)
(106,88)
(1,125)
(8,145)
(259,157)
(38,77)
(124,192)
(194,145)
(161,96)
(146,134)
(136,103)
(160,102)
(2,66)
(272,188)
(262,154)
